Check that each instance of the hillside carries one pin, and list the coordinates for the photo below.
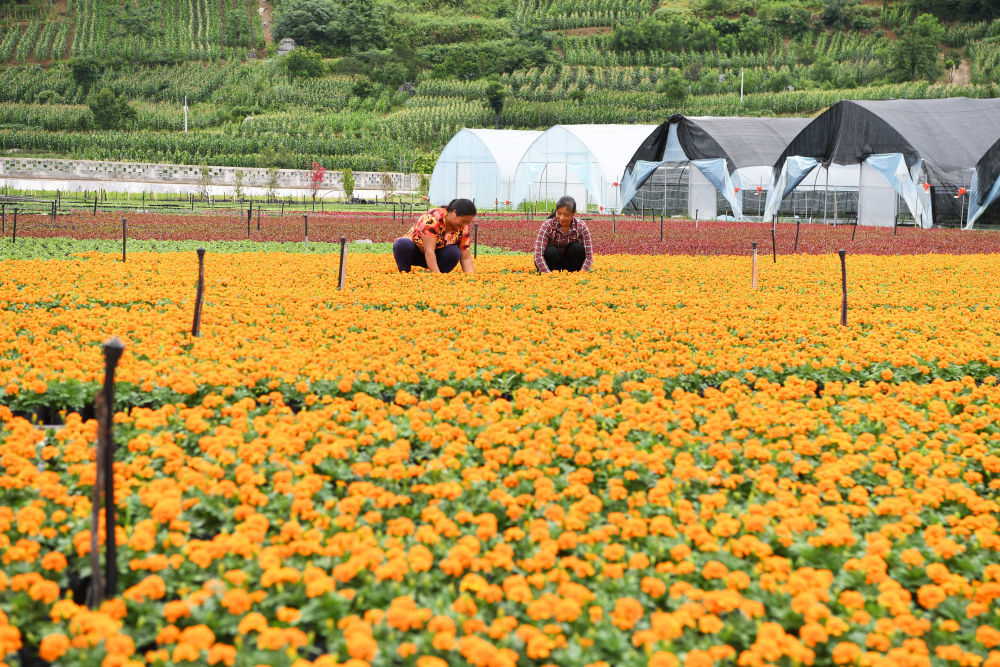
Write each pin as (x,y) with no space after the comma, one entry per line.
(388,84)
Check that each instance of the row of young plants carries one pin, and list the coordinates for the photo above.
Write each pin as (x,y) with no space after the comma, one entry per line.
(625,527)
(426,123)
(68,118)
(262,86)
(176,31)
(606,107)
(39,41)
(594,50)
(368,154)
(559,14)
(985,61)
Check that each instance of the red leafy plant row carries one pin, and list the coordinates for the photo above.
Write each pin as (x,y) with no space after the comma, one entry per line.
(622,235)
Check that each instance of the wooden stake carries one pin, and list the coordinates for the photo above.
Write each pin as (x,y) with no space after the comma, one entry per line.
(199,298)
(843,287)
(104,484)
(774,249)
(343,263)
(113,350)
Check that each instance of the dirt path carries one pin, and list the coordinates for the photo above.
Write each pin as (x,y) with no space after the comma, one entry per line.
(266,18)
(583,32)
(961,75)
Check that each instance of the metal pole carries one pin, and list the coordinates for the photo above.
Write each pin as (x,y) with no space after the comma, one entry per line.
(661,226)
(774,249)
(753,278)
(343,263)
(123,240)
(306,219)
(14,237)
(795,249)
(475,240)
(249,213)
(199,298)
(843,287)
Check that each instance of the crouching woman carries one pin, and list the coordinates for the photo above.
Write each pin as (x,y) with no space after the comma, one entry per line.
(439,240)
(563,242)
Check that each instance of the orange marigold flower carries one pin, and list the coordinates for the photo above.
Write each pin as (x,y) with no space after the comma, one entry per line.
(930,596)
(846,653)
(627,611)
(222,653)
(988,636)
(663,659)
(52,647)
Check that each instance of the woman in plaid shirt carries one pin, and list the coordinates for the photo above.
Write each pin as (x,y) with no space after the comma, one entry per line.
(563,242)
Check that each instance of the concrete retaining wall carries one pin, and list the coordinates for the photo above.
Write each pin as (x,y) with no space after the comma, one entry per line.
(92,175)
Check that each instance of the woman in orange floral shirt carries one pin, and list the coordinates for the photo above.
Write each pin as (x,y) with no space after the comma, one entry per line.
(439,239)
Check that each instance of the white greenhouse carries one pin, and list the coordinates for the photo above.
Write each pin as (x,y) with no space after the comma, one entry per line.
(479,165)
(585,162)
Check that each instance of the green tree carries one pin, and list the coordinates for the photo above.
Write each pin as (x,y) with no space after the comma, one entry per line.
(496,95)
(331,26)
(272,182)
(303,63)
(109,111)
(916,54)
(959,10)
(238,185)
(347,180)
(391,74)
(363,88)
(85,71)
(839,14)
(237,31)
(674,87)
(135,22)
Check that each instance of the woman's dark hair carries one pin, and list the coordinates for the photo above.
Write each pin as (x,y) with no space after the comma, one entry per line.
(566,201)
(461,207)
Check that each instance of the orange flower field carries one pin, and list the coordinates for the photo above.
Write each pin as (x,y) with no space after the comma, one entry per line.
(650,464)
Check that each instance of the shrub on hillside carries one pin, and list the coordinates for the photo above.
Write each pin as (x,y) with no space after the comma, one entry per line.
(331,26)
(110,111)
(302,63)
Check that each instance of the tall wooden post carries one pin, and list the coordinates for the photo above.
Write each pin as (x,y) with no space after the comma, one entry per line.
(843,287)
(343,263)
(200,296)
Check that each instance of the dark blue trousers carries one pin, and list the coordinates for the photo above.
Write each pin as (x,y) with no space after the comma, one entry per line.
(407,255)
